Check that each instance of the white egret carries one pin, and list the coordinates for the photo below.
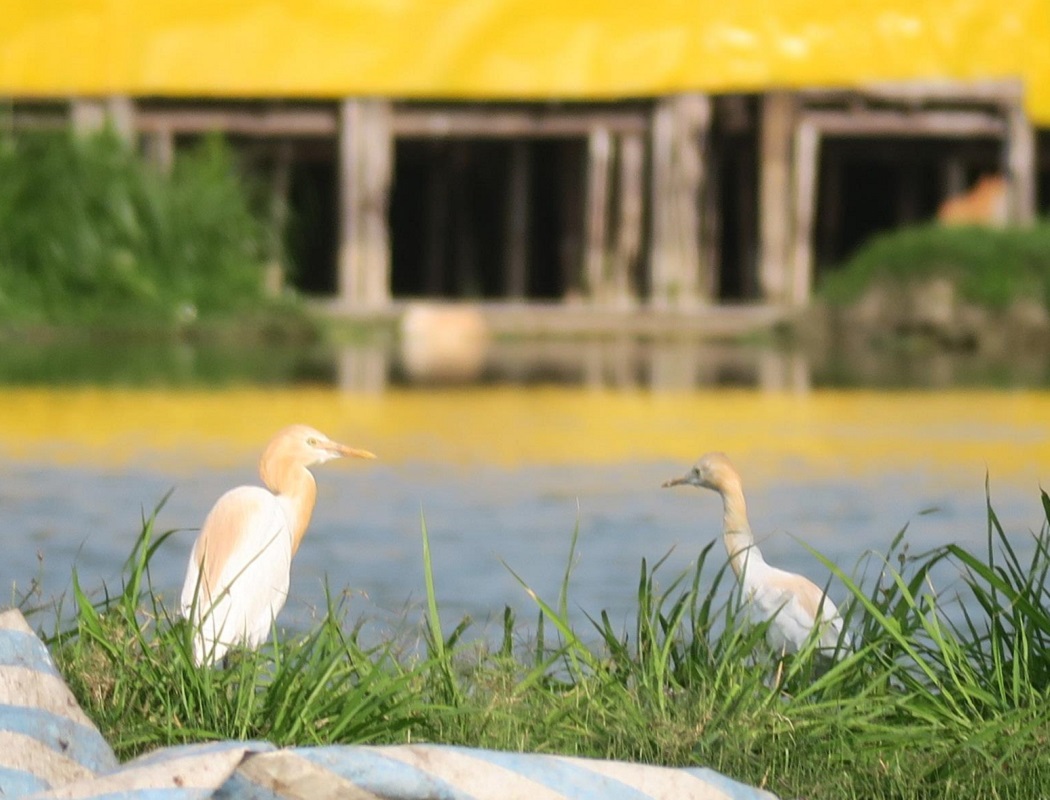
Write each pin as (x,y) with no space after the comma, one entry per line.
(792,603)
(238,573)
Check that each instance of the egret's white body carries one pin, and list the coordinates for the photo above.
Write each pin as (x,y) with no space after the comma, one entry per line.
(793,604)
(238,572)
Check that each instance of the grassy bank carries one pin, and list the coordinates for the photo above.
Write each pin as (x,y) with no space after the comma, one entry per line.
(91,235)
(932,703)
(990,267)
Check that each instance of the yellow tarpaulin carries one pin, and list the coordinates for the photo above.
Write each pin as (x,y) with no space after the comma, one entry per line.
(511,49)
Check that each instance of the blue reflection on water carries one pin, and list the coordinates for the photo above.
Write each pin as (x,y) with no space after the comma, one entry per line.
(365,535)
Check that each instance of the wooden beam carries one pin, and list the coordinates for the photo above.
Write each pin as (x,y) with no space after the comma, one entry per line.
(596,251)
(405,121)
(664,279)
(365,172)
(679,135)
(93,114)
(1021,170)
(711,221)
(262,122)
(631,207)
(806,164)
(159,149)
(694,124)
(87,115)
(120,109)
(870,122)
(775,196)
(924,92)
(496,122)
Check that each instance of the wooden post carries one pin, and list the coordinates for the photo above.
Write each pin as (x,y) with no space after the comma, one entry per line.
(93,114)
(695,129)
(86,115)
(774,222)
(596,252)
(629,224)
(1020,165)
(160,149)
(679,134)
(807,162)
(365,171)
(711,222)
(517,223)
(120,110)
(663,277)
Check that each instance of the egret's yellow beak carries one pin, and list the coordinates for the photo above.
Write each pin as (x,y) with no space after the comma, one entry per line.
(349,452)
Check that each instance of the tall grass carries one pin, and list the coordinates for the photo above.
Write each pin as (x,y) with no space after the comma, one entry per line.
(130,661)
(91,233)
(938,695)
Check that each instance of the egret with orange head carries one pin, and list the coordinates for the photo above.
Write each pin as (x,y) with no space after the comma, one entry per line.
(793,604)
(238,573)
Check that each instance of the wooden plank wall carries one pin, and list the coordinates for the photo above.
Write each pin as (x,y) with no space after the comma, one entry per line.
(647,191)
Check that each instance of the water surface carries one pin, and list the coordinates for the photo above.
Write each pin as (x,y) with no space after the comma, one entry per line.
(504,474)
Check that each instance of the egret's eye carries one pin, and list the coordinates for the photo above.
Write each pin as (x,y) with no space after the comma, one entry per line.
(696,471)
(312,441)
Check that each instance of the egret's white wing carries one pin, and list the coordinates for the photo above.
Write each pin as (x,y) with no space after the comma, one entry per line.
(237,579)
(794,604)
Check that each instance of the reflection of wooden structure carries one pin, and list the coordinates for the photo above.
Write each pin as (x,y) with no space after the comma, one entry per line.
(607,362)
(652,223)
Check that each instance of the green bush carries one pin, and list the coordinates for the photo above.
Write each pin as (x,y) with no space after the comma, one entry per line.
(989,267)
(91,233)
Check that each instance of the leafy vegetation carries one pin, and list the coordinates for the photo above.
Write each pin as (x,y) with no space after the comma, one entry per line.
(940,697)
(990,267)
(89,233)
(207,356)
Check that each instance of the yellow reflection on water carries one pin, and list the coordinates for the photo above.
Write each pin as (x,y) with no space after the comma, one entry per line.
(1006,432)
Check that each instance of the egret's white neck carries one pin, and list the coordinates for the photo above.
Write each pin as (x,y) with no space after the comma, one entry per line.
(295,485)
(736,530)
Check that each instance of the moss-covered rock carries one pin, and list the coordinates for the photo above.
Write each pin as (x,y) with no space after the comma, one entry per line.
(962,288)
